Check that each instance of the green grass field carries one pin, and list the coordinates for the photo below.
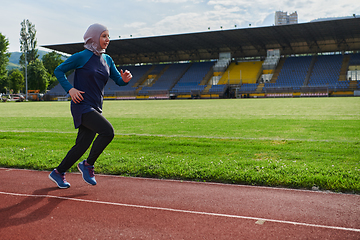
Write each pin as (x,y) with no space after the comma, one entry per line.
(297,142)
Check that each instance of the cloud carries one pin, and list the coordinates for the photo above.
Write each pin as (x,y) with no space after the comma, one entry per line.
(170,1)
(135,25)
(183,16)
(269,20)
(65,21)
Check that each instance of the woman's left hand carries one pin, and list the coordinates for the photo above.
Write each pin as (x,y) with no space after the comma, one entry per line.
(126,76)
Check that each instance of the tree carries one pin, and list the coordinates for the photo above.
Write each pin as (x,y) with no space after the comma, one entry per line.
(16,80)
(28,42)
(38,77)
(51,60)
(4,59)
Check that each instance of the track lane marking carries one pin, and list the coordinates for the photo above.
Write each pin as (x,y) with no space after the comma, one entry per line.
(263,220)
(189,136)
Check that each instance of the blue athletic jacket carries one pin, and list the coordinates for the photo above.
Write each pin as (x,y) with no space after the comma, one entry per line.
(91,75)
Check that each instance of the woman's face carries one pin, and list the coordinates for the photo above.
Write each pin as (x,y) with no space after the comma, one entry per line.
(104,39)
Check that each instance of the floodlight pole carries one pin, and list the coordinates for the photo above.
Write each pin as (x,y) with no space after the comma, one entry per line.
(25,36)
(26,82)
(25,39)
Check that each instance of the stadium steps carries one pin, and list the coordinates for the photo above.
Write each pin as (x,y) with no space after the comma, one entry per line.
(159,75)
(311,67)
(353,85)
(143,78)
(166,81)
(225,77)
(344,68)
(259,88)
(138,90)
(208,84)
(181,75)
(207,77)
(206,89)
(278,70)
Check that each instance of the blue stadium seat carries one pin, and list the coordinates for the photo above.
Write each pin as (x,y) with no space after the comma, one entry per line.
(167,79)
(192,78)
(326,71)
(292,74)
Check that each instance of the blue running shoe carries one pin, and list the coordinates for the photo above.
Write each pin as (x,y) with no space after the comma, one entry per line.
(87,172)
(59,179)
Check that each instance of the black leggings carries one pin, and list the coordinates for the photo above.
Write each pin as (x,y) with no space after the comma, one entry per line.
(92,123)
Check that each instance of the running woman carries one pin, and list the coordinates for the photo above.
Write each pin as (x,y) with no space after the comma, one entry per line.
(92,68)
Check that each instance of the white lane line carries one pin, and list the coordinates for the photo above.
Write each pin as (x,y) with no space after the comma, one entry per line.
(189,136)
(258,220)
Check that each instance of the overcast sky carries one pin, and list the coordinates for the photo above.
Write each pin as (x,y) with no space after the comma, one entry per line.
(65,21)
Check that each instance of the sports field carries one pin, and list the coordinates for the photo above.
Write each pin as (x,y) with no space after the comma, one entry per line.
(308,143)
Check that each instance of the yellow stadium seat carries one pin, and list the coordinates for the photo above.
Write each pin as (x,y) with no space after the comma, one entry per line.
(242,72)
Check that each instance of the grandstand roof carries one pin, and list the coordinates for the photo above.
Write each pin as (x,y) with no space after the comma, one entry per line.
(313,37)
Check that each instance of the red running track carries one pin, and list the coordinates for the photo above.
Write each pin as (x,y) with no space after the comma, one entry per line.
(32,207)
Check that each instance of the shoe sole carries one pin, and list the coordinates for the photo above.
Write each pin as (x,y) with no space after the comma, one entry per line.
(57,183)
(82,175)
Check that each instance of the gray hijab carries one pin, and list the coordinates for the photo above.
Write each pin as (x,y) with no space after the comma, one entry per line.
(92,38)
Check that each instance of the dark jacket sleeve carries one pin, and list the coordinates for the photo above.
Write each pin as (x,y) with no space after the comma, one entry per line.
(75,61)
(114,73)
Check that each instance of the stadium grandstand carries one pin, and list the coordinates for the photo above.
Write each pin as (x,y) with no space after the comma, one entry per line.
(297,60)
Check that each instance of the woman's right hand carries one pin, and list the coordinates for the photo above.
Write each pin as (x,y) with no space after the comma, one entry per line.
(76,95)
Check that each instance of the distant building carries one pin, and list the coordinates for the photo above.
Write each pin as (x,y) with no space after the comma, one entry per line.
(282,18)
